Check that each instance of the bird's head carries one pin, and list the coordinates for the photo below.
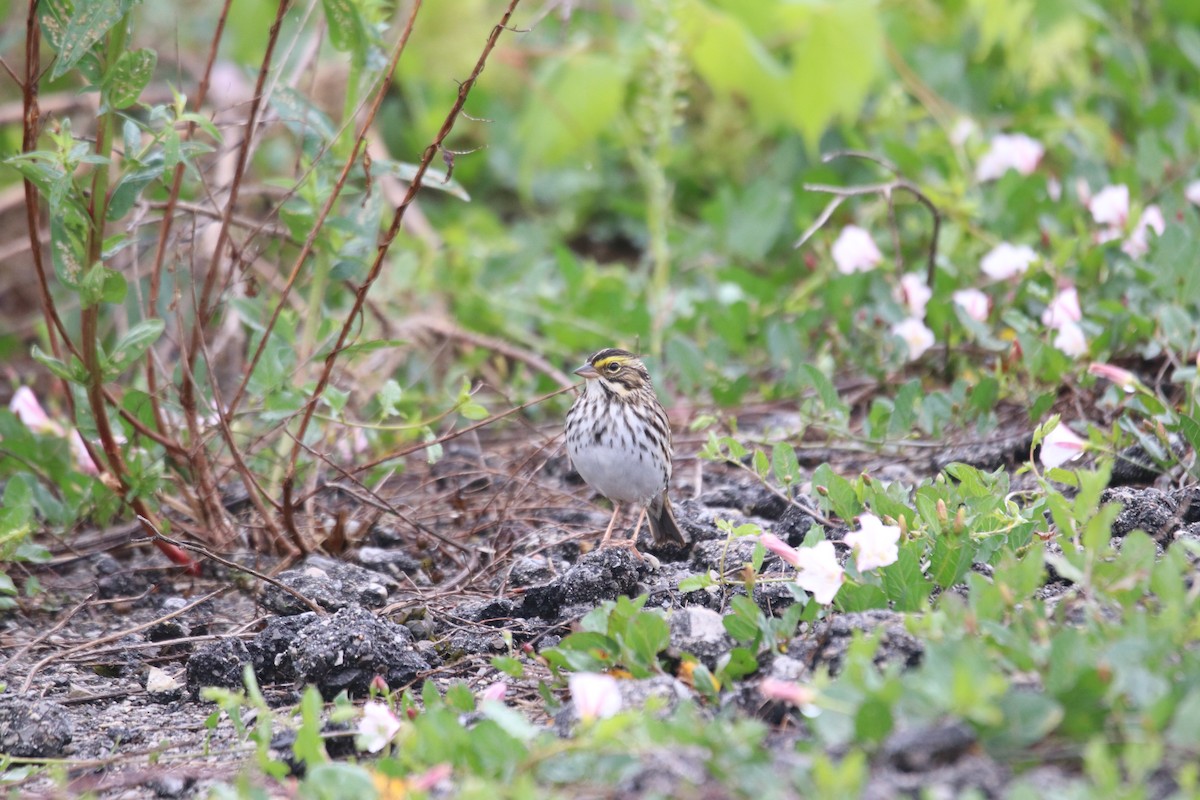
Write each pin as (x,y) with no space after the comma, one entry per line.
(617,371)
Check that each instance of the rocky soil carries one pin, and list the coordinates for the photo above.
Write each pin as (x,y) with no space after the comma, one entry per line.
(104,667)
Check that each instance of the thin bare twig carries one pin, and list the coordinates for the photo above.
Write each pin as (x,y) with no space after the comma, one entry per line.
(384,245)
(885,188)
(283,587)
(112,637)
(413,448)
(46,634)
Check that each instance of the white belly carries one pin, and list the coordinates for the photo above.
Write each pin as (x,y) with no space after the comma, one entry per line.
(619,475)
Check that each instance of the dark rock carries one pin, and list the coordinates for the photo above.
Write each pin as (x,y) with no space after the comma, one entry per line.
(462,643)
(33,728)
(774,596)
(529,570)
(1187,501)
(698,522)
(924,748)
(1134,466)
(343,652)
(171,785)
(421,629)
(114,580)
(168,629)
(387,562)
(105,564)
(331,584)
(709,555)
(793,525)
(218,663)
(759,501)
(826,641)
(1150,510)
(543,601)
(727,496)
(604,574)
(495,611)
(667,551)
(336,737)
(270,648)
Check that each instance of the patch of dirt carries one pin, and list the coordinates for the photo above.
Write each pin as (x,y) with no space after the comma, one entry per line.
(493,542)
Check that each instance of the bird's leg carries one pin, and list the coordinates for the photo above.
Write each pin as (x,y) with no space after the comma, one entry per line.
(611,523)
(638,529)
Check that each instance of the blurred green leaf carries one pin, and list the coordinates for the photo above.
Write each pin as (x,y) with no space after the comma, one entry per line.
(73,27)
(126,80)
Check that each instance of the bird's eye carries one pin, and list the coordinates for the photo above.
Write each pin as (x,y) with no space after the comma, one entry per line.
(613,368)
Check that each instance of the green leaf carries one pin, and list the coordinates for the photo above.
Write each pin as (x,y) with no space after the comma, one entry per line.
(134,344)
(645,637)
(733,62)
(737,663)
(785,464)
(762,467)
(1184,731)
(834,64)
(904,582)
(704,682)
(587,652)
(308,746)
(125,194)
(510,666)
(904,412)
(40,168)
(333,779)
(1022,575)
(950,560)
(57,367)
(101,285)
(336,398)
(307,122)
(839,493)
(809,375)
(581,96)
(1029,717)
(359,348)
(873,720)
(433,179)
(347,29)
(129,77)
(1189,428)
(472,410)
(72,29)
(695,583)
(511,721)
(67,249)
(460,697)
(18,500)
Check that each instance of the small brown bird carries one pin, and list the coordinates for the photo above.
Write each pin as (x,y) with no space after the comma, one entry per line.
(619,440)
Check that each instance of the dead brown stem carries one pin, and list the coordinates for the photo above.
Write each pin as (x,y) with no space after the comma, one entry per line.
(377,266)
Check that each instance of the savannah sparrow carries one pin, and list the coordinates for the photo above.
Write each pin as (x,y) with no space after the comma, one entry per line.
(619,440)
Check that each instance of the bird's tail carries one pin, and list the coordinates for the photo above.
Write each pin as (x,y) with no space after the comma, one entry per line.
(663,526)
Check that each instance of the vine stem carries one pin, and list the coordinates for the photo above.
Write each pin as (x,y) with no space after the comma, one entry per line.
(89,336)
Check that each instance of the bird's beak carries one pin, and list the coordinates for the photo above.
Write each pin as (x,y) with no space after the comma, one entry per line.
(587,371)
